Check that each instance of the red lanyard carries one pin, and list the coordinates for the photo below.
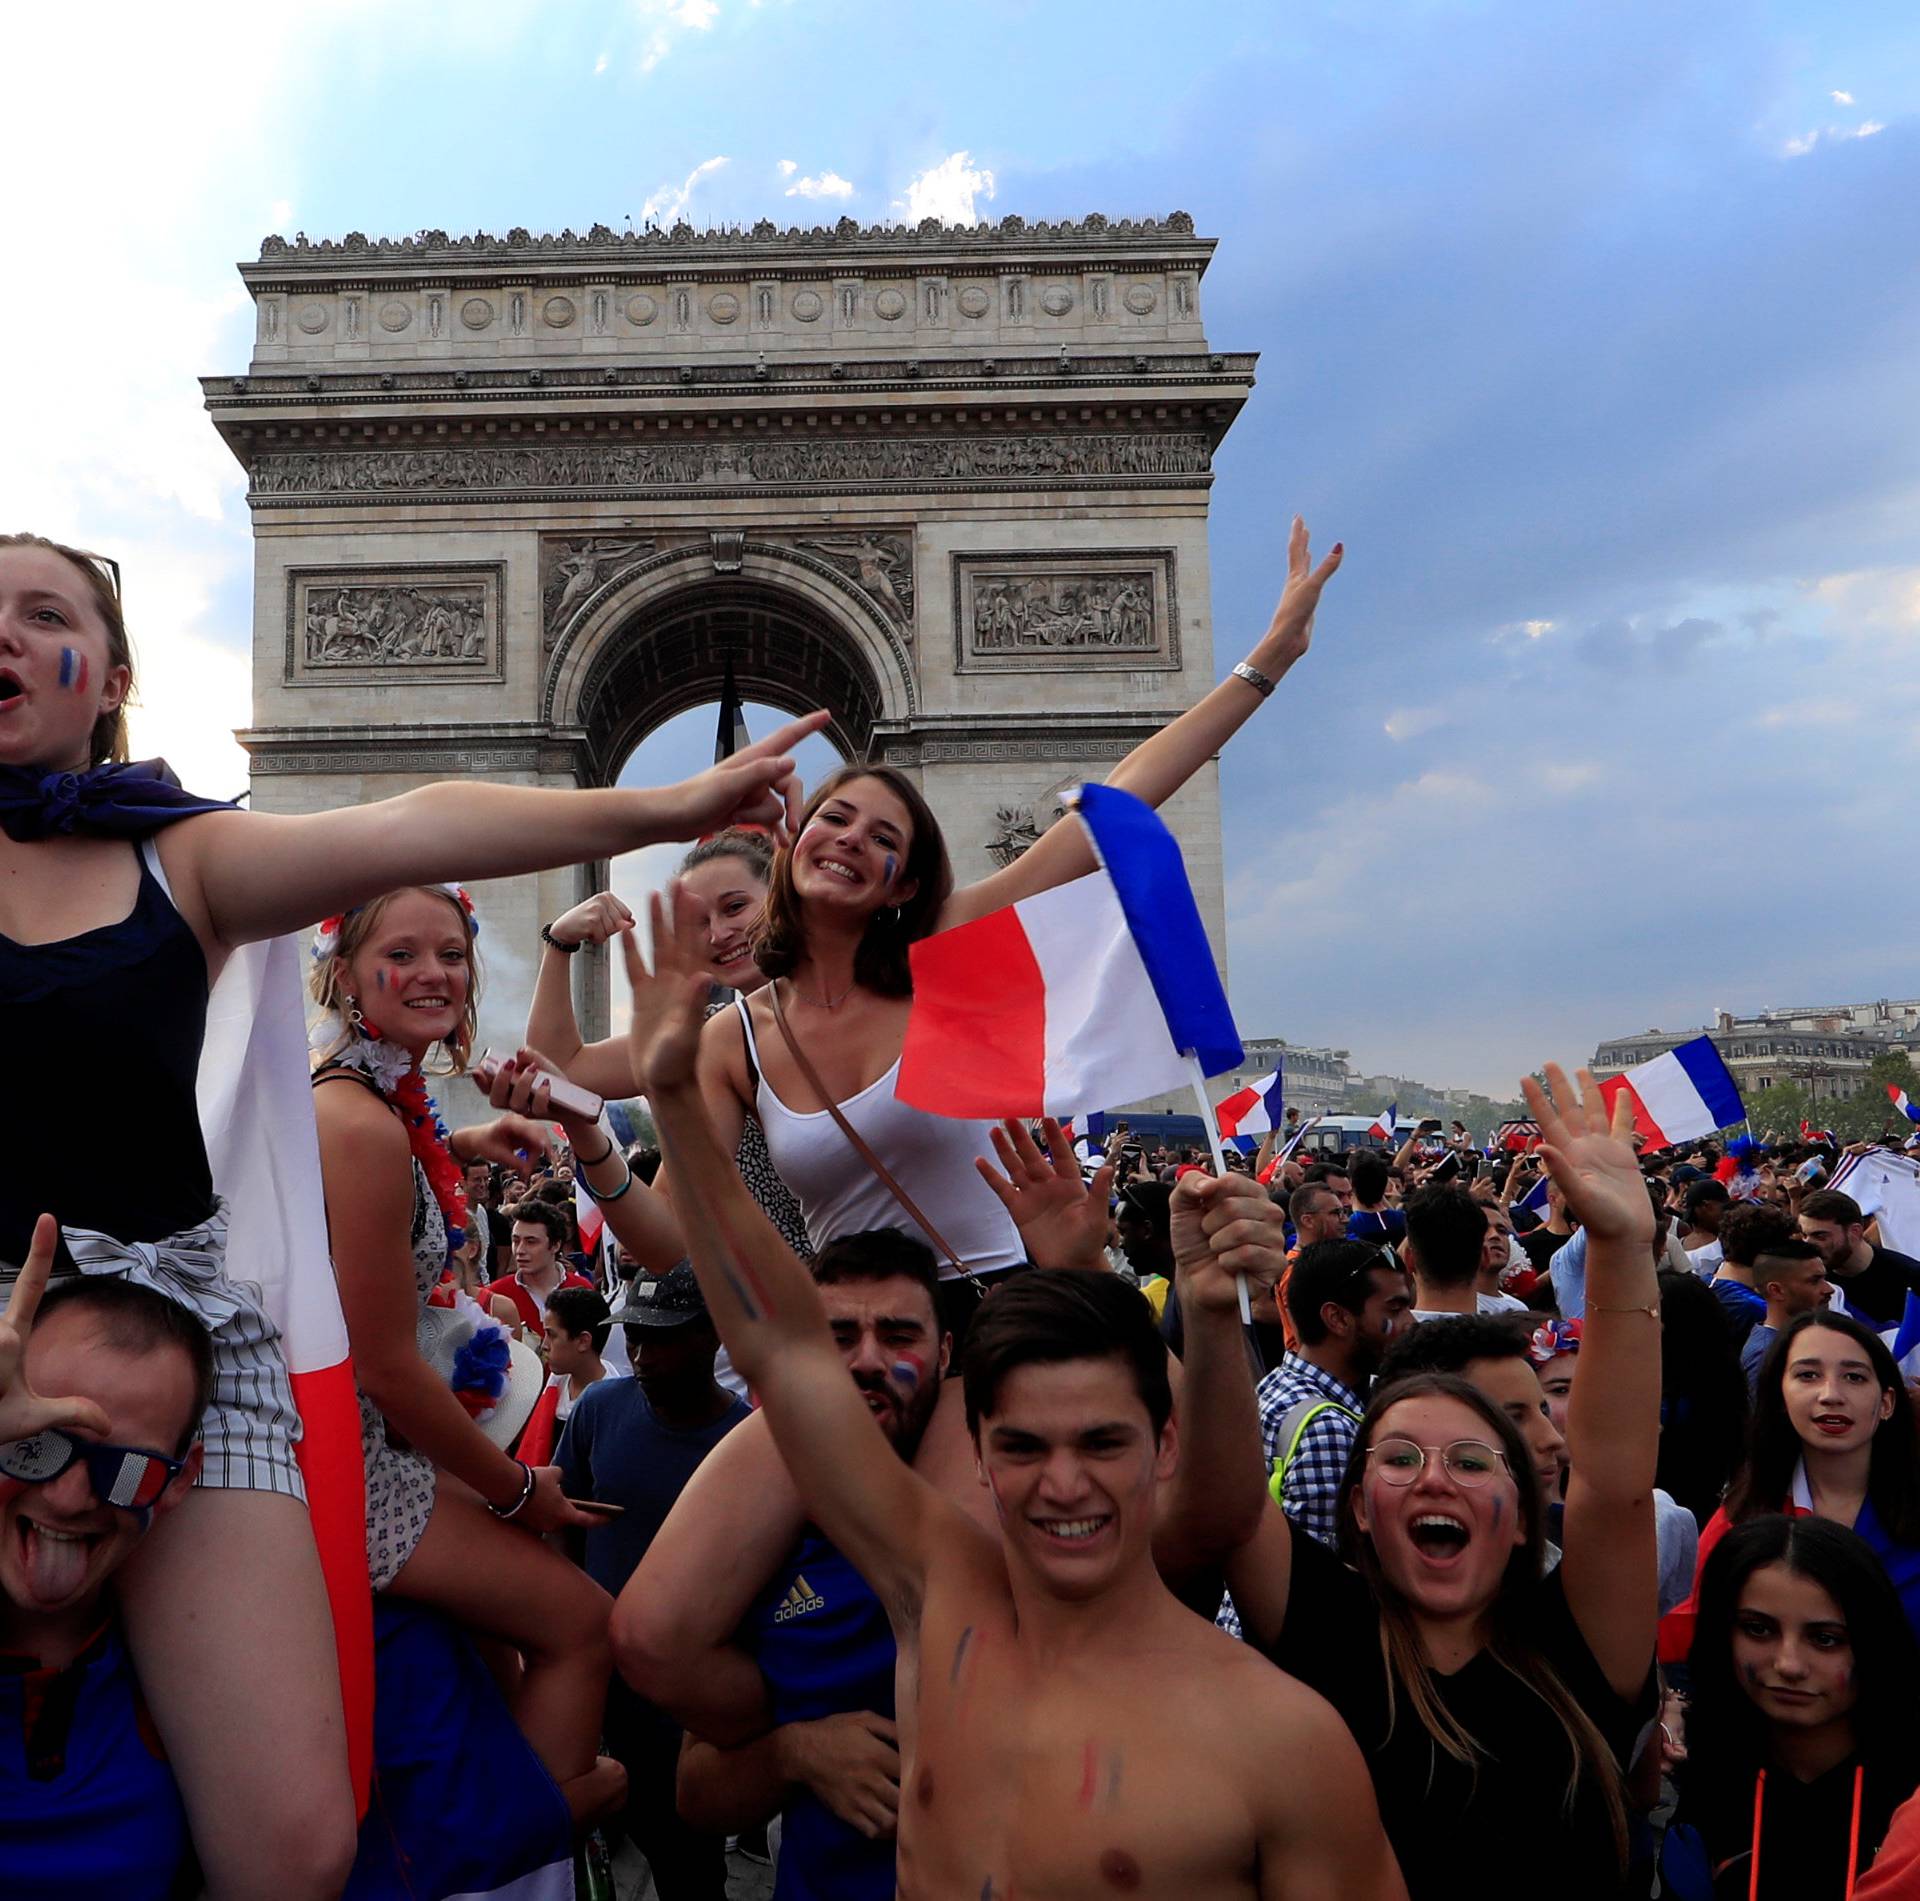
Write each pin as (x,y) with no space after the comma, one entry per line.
(1853,1832)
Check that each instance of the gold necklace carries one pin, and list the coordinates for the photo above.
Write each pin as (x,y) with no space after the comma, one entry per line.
(826,1003)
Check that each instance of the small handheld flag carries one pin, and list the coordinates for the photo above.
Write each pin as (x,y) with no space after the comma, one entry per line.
(1253,1111)
(1534,1201)
(1681,1095)
(1898,1097)
(1386,1122)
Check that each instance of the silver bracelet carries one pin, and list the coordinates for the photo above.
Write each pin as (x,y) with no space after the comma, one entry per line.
(1255,679)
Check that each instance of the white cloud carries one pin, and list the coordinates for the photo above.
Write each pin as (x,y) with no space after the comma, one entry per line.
(827,185)
(946,191)
(1867,128)
(667,204)
(666,20)
(599,65)
(1841,98)
(1409,722)
(1801,146)
(788,168)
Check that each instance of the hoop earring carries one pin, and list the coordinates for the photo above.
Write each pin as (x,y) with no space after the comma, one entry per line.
(355,1020)
(896,917)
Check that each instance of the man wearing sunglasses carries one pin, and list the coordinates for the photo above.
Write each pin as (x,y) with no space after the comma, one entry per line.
(87,1805)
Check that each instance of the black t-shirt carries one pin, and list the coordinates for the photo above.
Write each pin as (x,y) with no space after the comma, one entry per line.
(1269,1337)
(1804,1827)
(1540,1245)
(1878,1293)
(1503,1830)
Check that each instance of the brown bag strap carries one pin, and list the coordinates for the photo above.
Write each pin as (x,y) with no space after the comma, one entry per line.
(859,1142)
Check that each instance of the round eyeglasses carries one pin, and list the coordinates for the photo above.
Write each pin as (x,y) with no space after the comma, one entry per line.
(1468,1462)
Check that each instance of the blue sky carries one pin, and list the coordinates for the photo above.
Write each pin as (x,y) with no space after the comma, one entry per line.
(1593,331)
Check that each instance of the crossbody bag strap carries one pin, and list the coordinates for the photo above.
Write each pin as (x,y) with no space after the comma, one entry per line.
(858,1141)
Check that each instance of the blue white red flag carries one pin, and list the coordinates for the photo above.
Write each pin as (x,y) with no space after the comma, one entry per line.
(1898,1097)
(1096,991)
(1254,1111)
(1534,1201)
(1685,1093)
(1386,1122)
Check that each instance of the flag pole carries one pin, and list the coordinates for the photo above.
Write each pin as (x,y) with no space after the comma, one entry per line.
(1210,1123)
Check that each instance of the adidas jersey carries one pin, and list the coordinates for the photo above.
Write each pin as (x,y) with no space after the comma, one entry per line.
(824,1645)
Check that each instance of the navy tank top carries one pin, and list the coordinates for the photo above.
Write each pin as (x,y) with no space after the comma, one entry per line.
(102,1033)
(824,1645)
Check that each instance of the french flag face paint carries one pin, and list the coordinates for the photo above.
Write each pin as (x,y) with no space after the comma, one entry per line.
(73,669)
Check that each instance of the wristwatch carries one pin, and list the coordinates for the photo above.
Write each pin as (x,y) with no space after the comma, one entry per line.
(567,950)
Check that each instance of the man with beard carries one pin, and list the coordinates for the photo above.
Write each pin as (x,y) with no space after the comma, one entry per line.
(776,1646)
(634,1444)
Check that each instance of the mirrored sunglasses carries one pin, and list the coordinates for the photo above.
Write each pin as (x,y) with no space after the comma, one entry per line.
(127,1476)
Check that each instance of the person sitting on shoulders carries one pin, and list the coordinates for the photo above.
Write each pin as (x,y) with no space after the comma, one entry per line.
(88,1804)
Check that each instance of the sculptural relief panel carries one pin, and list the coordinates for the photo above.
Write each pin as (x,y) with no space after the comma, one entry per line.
(1026,613)
(399,626)
(906,461)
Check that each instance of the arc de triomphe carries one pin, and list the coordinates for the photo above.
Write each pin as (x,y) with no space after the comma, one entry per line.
(517,501)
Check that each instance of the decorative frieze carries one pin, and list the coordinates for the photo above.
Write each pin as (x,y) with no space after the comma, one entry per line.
(643,466)
(881,564)
(395,625)
(1025,613)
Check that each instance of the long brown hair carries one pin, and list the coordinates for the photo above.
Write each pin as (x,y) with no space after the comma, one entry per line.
(109,739)
(880,963)
(328,982)
(1400,1642)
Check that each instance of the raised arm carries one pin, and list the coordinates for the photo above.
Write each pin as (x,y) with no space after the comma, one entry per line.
(1158,767)
(765,1304)
(551,1024)
(254,875)
(1613,1419)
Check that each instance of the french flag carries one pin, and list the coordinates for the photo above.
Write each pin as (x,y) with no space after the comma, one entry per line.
(1898,1097)
(1677,1097)
(1096,991)
(1253,1111)
(1386,1121)
(1534,1201)
(256,1110)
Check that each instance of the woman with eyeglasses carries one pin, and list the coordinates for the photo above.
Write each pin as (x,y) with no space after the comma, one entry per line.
(121,897)
(1498,1704)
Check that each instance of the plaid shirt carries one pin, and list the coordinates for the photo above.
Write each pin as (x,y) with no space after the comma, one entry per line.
(1313,1474)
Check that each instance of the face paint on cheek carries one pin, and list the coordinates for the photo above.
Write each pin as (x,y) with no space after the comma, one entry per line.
(73,669)
(887,885)
(1499,1510)
(908,1371)
(379,980)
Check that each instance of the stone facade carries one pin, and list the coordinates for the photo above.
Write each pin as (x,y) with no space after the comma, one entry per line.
(516,501)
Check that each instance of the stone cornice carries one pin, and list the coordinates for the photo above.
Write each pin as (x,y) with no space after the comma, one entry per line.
(655,249)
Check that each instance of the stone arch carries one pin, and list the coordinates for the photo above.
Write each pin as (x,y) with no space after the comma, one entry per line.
(653,641)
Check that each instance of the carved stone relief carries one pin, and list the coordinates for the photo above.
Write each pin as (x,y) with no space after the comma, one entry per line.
(1046,613)
(573,568)
(1015,829)
(392,625)
(642,466)
(881,564)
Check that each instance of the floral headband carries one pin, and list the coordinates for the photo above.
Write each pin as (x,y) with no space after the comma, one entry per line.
(1553,1338)
(326,934)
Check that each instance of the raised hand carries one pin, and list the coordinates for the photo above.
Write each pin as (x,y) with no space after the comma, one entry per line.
(1224,1226)
(1292,624)
(663,1038)
(758,785)
(1589,1157)
(592,922)
(1062,1219)
(23,1412)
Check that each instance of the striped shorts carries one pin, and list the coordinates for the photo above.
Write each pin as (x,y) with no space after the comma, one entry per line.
(251,1425)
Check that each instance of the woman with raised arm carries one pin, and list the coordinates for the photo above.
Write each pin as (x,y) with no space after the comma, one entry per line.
(1497,1703)
(725,881)
(865,877)
(120,899)
(395,1208)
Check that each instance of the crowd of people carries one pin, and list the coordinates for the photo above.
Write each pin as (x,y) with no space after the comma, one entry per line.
(913,1496)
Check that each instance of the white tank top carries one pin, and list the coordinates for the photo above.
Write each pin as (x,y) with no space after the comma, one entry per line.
(931,1158)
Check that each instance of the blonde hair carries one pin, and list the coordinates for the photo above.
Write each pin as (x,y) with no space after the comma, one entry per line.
(328,983)
(109,740)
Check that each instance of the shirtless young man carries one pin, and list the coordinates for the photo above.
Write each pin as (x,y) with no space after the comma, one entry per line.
(1059,1711)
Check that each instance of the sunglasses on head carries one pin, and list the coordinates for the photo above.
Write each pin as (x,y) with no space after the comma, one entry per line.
(127,1476)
